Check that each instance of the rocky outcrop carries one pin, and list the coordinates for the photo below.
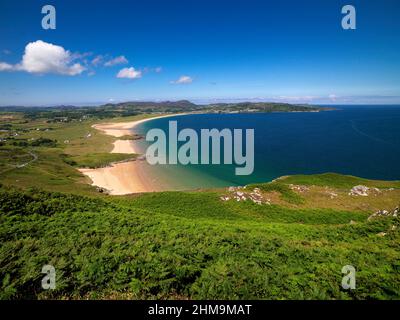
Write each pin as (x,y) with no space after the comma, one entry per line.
(102,190)
(385,213)
(359,191)
(331,193)
(238,194)
(299,188)
(363,191)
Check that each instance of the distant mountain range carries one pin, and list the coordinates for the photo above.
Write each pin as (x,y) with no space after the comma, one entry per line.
(186,106)
(124,109)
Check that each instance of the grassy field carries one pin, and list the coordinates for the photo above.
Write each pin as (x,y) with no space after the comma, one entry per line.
(185,245)
(76,145)
(182,245)
(338,181)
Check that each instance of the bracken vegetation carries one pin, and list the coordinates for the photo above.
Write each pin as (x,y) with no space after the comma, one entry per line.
(178,245)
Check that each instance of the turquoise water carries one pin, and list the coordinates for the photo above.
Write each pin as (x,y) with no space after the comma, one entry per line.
(359,140)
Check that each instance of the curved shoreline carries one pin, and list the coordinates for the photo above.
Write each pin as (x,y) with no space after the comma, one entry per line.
(129,177)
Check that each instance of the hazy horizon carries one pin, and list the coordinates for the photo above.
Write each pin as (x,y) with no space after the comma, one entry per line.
(95,104)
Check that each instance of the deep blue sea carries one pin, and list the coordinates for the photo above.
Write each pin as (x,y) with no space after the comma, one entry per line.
(362,141)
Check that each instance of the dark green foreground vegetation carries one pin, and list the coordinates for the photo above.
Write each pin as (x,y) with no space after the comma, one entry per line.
(178,245)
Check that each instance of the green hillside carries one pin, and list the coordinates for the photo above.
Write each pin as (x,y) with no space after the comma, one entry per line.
(180,245)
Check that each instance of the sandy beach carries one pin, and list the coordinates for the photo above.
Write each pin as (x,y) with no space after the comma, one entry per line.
(126,177)
(124,146)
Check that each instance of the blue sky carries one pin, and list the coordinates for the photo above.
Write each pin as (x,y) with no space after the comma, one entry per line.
(292,51)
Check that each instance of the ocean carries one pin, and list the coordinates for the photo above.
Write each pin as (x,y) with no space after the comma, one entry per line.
(363,141)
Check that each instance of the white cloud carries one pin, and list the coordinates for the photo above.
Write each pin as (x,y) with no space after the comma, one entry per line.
(42,57)
(129,73)
(97,60)
(158,69)
(6,67)
(115,61)
(294,99)
(77,55)
(333,97)
(183,80)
